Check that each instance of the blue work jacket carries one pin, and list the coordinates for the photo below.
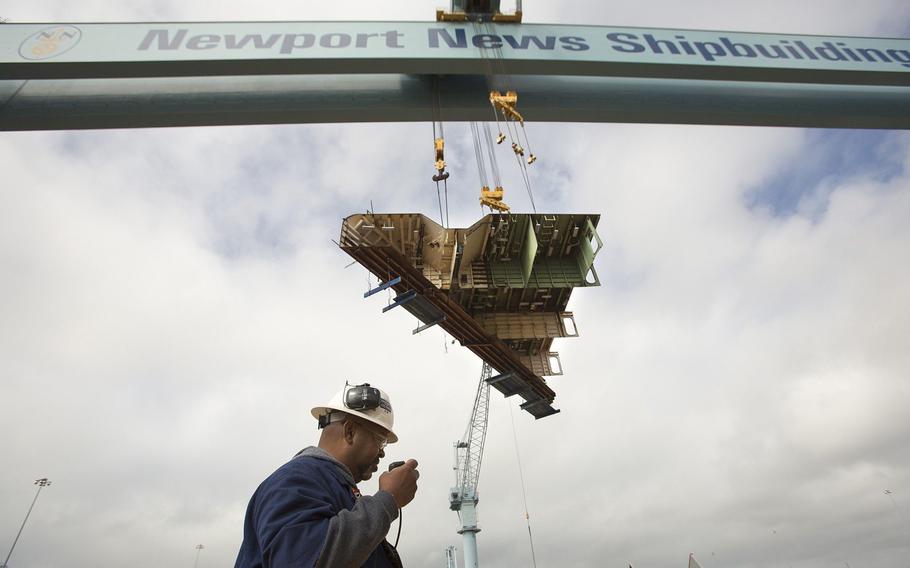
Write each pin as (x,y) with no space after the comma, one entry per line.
(288,516)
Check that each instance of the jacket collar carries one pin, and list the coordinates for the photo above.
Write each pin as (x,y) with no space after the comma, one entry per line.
(320,454)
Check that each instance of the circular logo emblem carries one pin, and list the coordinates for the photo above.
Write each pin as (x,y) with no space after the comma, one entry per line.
(50,42)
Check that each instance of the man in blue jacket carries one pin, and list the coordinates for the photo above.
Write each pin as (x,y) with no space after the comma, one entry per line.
(310,512)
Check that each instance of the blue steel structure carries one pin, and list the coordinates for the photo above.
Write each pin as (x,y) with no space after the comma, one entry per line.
(84,76)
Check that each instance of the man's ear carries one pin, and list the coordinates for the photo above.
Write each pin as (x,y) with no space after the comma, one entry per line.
(348,431)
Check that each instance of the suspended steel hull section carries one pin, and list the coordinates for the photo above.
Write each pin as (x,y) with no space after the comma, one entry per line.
(499,287)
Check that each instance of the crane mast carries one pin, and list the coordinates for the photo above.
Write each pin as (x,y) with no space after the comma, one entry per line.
(463,496)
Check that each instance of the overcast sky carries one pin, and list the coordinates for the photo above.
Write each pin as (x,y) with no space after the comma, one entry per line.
(171,306)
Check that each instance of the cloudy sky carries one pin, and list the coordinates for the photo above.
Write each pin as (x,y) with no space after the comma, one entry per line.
(171,306)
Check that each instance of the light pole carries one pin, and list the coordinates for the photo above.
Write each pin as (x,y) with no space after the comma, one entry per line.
(199,548)
(41,483)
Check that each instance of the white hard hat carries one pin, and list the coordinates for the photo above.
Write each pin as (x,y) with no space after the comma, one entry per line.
(362,401)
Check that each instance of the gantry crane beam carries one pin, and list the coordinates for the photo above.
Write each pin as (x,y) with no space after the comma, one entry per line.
(192,101)
(80,76)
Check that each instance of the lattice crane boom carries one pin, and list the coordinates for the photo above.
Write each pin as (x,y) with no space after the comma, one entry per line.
(468,456)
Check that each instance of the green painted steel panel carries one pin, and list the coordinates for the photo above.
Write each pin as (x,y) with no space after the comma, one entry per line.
(506,275)
(556,273)
(586,251)
(547,273)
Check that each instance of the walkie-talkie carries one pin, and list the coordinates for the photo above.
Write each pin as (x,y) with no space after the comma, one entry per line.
(392,466)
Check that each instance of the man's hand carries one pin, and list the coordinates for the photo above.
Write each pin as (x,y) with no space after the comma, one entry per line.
(401,482)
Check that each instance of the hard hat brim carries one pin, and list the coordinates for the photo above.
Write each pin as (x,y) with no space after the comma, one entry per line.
(319,411)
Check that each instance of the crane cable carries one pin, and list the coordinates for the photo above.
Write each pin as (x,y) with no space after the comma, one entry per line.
(478,154)
(498,61)
(499,58)
(437,117)
(483,147)
(483,141)
(442,219)
(524,496)
(494,166)
(522,166)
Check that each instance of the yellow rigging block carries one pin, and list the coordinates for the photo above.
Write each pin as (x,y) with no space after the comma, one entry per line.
(441,173)
(506,104)
(492,198)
